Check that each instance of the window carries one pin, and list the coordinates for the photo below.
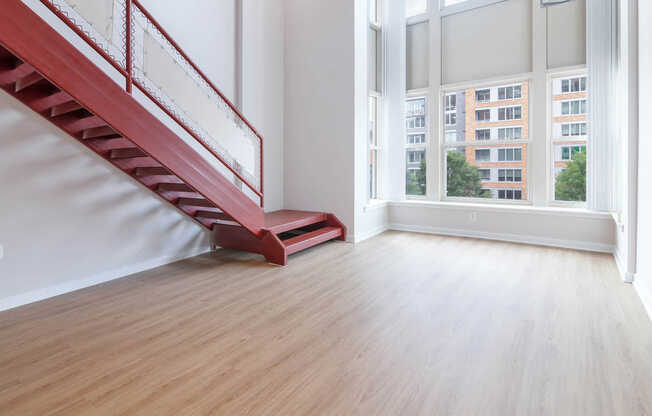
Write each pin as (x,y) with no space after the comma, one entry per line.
(416,138)
(510,113)
(451,136)
(573,85)
(483,115)
(483,134)
(570,152)
(416,147)
(451,119)
(482,96)
(509,175)
(373,147)
(482,155)
(573,129)
(510,155)
(416,7)
(568,141)
(510,133)
(473,161)
(451,102)
(573,107)
(514,194)
(416,114)
(509,93)
(374,56)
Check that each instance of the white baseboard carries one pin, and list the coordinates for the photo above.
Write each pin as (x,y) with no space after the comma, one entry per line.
(359,237)
(628,277)
(645,293)
(512,238)
(71,286)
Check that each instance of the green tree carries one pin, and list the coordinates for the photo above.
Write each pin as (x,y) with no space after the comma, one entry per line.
(463,179)
(416,180)
(571,183)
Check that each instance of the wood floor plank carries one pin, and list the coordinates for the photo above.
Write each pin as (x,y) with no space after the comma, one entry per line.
(402,324)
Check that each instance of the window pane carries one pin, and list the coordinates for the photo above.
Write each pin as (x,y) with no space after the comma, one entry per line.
(373,143)
(474,170)
(569,139)
(416,172)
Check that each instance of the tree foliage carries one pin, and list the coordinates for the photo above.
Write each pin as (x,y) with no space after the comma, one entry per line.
(463,180)
(416,180)
(571,183)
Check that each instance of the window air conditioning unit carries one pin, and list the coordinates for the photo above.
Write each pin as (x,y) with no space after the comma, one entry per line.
(546,3)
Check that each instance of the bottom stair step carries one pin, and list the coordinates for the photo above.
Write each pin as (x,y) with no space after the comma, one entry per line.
(311,239)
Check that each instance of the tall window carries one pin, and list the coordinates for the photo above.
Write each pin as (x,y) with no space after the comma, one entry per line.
(491,162)
(375,97)
(569,137)
(415,156)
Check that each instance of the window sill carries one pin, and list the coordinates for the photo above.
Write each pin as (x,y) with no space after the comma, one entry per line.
(509,208)
(374,205)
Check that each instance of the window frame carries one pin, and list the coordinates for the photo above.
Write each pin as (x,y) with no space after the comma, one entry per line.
(375,187)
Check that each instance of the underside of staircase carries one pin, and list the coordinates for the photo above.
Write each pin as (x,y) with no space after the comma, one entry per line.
(49,75)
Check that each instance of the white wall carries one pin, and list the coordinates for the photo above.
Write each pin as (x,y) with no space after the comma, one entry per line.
(206,31)
(319,107)
(69,219)
(554,227)
(263,75)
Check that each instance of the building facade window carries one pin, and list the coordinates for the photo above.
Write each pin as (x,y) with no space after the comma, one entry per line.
(573,107)
(510,113)
(483,96)
(483,115)
(570,85)
(510,175)
(416,147)
(510,93)
(483,155)
(510,133)
(483,134)
(485,174)
(573,129)
(510,194)
(510,155)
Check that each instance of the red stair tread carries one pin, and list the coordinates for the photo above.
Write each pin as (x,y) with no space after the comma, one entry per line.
(311,239)
(286,220)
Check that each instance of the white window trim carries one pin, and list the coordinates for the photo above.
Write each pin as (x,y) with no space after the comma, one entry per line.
(505,87)
(464,6)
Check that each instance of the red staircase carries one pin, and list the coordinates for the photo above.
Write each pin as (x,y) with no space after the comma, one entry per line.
(44,71)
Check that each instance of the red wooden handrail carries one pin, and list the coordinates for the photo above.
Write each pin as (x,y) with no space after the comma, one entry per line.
(129,82)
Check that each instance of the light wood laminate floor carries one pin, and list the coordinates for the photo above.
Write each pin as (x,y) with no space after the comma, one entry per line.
(402,324)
